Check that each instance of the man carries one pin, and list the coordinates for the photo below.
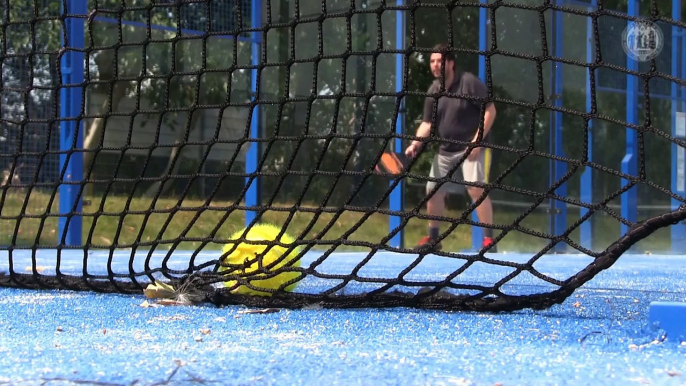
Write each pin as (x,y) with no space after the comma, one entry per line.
(456,119)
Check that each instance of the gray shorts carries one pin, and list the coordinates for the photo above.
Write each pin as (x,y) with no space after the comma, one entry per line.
(470,171)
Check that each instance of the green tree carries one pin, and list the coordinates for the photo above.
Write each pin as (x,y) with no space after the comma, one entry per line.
(29,66)
(165,84)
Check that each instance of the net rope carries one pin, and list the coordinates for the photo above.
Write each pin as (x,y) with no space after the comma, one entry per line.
(199,280)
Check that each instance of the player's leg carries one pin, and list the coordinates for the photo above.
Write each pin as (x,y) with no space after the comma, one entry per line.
(478,171)
(435,206)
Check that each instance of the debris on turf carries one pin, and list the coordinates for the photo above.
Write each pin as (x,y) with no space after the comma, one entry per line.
(170,296)
(39,269)
(262,311)
(159,290)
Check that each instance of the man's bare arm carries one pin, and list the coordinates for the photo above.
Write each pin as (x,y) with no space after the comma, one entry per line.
(489,118)
(423,131)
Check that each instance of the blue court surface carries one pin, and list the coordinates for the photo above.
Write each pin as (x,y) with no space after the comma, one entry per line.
(601,335)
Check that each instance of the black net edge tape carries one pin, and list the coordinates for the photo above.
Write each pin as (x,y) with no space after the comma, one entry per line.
(438,300)
(65,282)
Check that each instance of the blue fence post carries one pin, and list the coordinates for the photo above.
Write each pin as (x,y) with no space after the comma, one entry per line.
(630,162)
(252,197)
(587,176)
(71,135)
(683,68)
(477,232)
(678,231)
(397,201)
(558,209)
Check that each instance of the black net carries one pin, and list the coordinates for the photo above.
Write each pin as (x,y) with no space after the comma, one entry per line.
(193,116)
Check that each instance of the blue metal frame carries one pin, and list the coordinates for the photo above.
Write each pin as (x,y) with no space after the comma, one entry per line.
(558,209)
(71,135)
(630,161)
(397,201)
(252,157)
(477,232)
(586,187)
(678,231)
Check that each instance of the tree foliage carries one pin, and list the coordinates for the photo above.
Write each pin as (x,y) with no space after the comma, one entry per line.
(28,60)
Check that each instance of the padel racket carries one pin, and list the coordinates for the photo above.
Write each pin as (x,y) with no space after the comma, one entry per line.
(393,163)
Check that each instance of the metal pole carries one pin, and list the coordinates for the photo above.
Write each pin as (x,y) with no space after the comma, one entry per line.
(678,231)
(478,233)
(587,176)
(252,197)
(630,162)
(71,135)
(397,201)
(558,210)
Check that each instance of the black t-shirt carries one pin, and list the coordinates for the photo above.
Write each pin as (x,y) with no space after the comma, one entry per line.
(456,118)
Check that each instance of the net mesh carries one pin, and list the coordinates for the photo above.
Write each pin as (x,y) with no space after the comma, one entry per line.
(196,114)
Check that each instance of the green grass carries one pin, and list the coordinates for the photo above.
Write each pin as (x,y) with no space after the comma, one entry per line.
(118,225)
